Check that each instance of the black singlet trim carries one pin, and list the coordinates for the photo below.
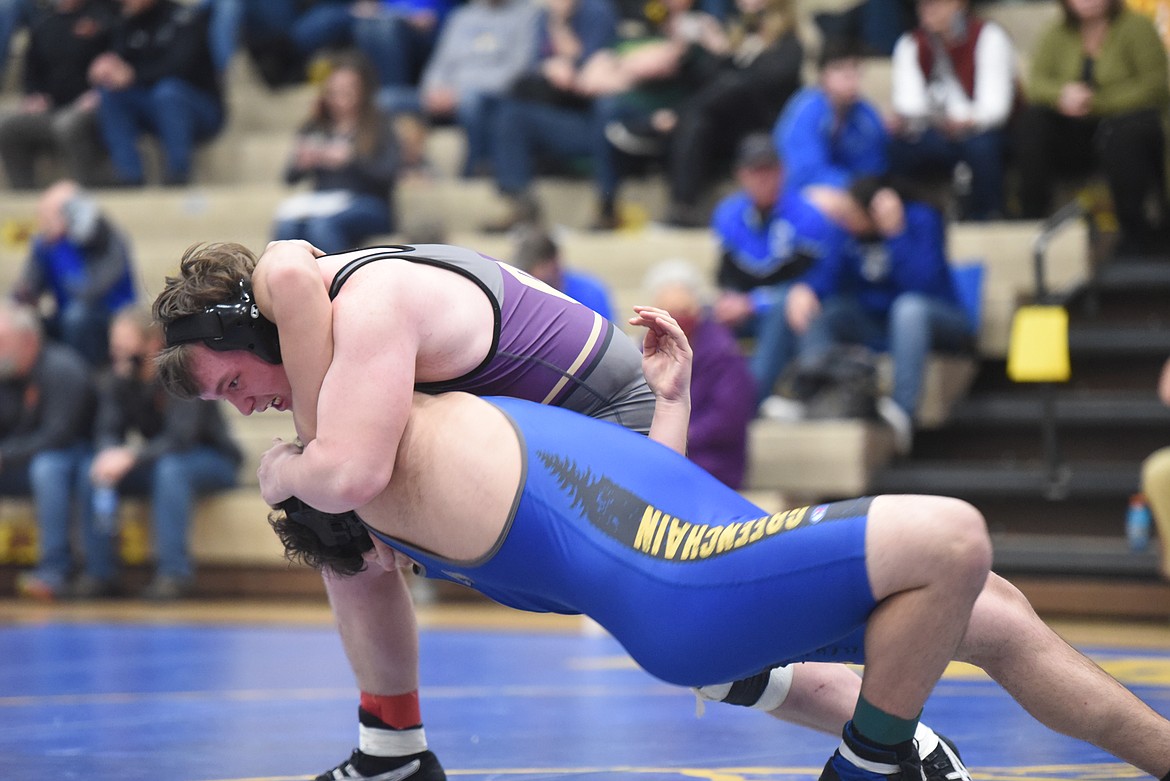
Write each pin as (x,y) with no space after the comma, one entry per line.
(408,549)
(393,251)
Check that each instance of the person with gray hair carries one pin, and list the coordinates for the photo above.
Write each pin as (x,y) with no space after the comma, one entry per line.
(46,411)
(723,392)
(83,263)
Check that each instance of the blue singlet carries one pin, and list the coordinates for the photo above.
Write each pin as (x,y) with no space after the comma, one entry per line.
(697,583)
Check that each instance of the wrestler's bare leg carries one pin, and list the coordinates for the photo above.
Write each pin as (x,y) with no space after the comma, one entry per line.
(1058,685)
(823,696)
(375,616)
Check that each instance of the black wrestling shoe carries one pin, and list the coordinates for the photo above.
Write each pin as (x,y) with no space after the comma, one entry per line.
(853,761)
(413,767)
(944,763)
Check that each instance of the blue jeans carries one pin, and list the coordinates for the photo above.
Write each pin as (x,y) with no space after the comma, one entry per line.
(231,21)
(14,14)
(916,325)
(934,153)
(365,217)
(776,344)
(397,49)
(51,478)
(526,130)
(253,21)
(476,114)
(173,483)
(178,113)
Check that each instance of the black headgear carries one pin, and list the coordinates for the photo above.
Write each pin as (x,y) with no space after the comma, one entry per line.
(233,325)
(335,530)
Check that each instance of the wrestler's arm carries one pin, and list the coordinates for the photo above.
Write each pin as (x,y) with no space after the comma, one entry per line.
(363,404)
(666,362)
(290,292)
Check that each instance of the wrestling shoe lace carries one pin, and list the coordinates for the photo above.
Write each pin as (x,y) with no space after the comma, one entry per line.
(944,763)
(415,767)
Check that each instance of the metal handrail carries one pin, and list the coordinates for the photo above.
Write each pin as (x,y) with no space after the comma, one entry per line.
(1048,230)
(1058,475)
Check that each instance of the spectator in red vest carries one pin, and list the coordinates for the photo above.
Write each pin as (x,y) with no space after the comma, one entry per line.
(953,91)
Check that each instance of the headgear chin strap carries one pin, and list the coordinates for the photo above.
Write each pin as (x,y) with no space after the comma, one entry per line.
(233,325)
(336,530)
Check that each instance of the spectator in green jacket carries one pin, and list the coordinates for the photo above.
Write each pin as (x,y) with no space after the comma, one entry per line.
(1098,93)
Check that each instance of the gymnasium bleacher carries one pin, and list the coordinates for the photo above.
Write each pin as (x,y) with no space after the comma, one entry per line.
(238,185)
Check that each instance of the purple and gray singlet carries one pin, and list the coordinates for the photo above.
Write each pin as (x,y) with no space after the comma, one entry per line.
(546,347)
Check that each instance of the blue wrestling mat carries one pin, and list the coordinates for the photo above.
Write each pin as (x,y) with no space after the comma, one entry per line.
(127,702)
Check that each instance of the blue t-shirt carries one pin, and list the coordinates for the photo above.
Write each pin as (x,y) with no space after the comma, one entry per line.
(816,149)
(588,290)
(876,272)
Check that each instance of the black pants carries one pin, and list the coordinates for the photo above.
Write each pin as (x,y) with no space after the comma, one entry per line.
(1127,148)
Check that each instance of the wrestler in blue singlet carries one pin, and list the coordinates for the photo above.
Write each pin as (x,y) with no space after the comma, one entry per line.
(699,584)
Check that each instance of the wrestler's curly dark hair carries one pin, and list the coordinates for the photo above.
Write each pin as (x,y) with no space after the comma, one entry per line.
(303,546)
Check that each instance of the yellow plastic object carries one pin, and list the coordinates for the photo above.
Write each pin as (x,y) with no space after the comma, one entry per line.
(1038,347)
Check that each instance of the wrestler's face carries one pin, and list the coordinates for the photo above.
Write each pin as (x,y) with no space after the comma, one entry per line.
(248,383)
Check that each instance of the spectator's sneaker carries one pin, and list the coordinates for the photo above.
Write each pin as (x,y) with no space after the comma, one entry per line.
(944,763)
(853,761)
(168,588)
(899,422)
(782,408)
(89,587)
(415,767)
(523,210)
(34,586)
(635,137)
(681,215)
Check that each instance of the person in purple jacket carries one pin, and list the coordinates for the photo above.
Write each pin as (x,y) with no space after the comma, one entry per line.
(358,333)
(723,391)
(888,286)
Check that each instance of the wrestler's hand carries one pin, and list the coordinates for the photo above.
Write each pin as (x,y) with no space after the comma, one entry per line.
(279,243)
(666,354)
(272,463)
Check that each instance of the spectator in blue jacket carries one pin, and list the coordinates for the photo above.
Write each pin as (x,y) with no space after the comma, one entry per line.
(887,286)
(83,263)
(768,237)
(538,254)
(158,76)
(828,133)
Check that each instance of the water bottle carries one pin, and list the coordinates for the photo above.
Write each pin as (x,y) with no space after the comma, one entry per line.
(1137,523)
(105,509)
